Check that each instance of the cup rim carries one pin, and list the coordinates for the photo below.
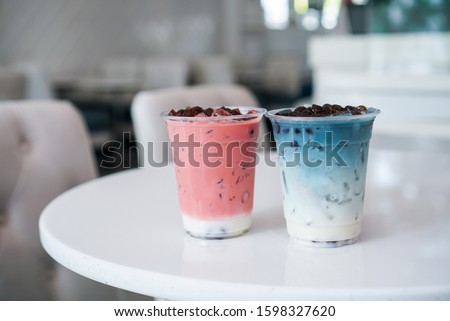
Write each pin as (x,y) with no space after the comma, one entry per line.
(259,113)
(271,114)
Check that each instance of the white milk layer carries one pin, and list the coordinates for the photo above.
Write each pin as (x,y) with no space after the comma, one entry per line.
(324,234)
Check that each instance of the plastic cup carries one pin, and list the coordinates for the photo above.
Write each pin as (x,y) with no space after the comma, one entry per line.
(323,163)
(214,160)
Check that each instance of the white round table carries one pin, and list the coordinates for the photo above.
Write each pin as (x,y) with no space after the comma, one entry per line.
(125,230)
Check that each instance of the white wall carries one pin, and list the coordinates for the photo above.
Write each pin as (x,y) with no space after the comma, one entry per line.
(71,37)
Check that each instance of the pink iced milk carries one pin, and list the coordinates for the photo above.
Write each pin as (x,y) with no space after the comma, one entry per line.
(214,160)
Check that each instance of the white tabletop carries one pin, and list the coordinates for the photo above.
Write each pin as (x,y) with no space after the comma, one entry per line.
(125,230)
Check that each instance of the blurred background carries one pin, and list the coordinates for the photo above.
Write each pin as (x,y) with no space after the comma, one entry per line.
(97,55)
(390,54)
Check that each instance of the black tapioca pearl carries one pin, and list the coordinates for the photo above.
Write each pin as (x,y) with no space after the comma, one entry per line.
(220,181)
(347,200)
(208,111)
(284,181)
(317,128)
(327,109)
(346,187)
(232,173)
(300,109)
(246,165)
(277,128)
(286,130)
(245,197)
(321,148)
(252,131)
(361,150)
(238,180)
(356,175)
(294,144)
(309,131)
(297,130)
(332,198)
(220,195)
(210,131)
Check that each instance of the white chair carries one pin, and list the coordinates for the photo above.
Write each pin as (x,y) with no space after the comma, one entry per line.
(12,84)
(44,151)
(148,105)
(217,70)
(164,72)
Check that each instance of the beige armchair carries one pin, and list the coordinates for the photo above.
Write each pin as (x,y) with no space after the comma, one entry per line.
(44,151)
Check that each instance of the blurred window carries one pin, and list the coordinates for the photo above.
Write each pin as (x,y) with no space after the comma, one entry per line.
(276,14)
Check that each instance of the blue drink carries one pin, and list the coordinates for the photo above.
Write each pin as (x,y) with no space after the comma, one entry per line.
(323,163)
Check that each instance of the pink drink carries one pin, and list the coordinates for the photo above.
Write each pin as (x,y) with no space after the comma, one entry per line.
(214,159)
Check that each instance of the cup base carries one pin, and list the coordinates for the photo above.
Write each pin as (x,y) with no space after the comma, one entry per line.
(233,226)
(325,236)
(218,236)
(325,243)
